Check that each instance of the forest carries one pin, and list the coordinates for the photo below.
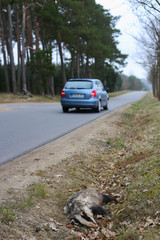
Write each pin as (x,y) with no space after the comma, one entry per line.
(46,42)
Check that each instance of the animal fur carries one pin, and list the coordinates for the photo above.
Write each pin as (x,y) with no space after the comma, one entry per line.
(84,205)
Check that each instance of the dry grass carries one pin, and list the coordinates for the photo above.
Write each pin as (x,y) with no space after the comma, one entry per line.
(115,94)
(11,98)
(128,165)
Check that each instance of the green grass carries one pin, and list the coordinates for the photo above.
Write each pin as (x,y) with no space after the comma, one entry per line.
(25,203)
(40,173)
(38,190)
(7,215)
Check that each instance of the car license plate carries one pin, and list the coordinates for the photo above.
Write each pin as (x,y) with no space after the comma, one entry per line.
(77,95)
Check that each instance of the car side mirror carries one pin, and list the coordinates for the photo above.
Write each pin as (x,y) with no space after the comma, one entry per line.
(107,89)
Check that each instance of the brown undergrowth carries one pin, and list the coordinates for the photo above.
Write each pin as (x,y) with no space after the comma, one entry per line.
(127,165)
(18,98)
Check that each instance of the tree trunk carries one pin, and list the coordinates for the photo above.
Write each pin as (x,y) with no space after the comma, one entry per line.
(36,33)
(72,65)
(61,56)
(29,39)
(82,64)
(41,88)
(96,66)
(11,52)
(18,50)
(87,68)
(29,30)
(23,50)
(153,87)
(51,79)
(153,79)
(158,86)
(4,56)
(51,84)
(158,77)
(77,65)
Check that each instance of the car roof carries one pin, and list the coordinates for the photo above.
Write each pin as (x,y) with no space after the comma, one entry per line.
(83,79)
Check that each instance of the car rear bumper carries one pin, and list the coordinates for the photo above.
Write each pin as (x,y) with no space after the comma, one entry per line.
(87,103)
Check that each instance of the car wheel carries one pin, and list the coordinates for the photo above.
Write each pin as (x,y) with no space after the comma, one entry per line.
(98,108)
(65,109)
(105,107)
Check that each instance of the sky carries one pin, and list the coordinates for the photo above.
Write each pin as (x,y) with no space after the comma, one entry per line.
(129,27)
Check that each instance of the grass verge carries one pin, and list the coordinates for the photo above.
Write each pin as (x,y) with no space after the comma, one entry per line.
(11,98)
(127,165)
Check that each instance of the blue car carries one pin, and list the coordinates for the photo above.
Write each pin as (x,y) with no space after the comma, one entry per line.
(84,93)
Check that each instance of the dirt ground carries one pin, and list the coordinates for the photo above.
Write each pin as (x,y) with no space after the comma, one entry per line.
(18,174)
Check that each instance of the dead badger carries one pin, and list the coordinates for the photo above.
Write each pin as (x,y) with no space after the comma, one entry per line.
(82,206)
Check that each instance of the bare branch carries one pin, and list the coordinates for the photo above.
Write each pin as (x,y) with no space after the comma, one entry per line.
(28,47)
(146,4)
(158,2)
(39,4)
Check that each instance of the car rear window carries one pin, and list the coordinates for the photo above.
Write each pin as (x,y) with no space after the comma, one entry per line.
(78,85)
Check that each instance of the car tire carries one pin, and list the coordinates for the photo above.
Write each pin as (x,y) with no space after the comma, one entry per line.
(65,109)
(98,108)
(105,107)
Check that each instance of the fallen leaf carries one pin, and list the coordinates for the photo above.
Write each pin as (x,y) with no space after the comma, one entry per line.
(108,233)
(110,225)
(59,175)
(149,201)
(141,229)
(105,223)
(53,227)
(149,220)
(145,190)
(69,225)
(126,223)
(157,213)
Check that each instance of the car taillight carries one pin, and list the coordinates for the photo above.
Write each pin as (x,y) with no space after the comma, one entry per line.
(62,93)
(93,93)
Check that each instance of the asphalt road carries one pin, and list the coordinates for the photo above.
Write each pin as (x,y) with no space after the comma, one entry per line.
(30,125)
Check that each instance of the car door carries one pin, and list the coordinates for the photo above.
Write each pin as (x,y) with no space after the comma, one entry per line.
(103,94)
(98,89)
